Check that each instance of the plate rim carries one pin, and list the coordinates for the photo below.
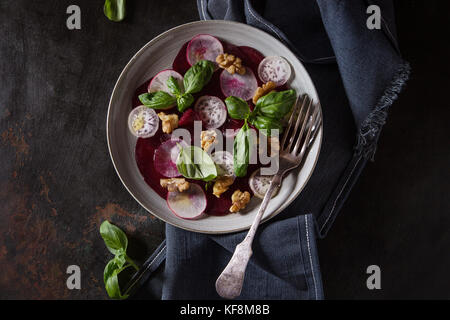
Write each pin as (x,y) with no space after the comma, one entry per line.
(128,65)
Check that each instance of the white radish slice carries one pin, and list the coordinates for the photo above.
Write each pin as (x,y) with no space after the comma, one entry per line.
(242,86)
(260,184)
(275,69)
(159,82)
(165,157)
(143,122)
(190,204)
(224,163)
(211,110)
(203,47)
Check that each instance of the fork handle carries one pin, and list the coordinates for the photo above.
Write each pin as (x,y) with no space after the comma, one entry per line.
(229,283)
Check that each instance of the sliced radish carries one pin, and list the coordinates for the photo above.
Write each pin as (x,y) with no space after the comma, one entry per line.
(242,86)
(203,47)
(143,122)
(224,163)
(211,110)
(260,184)
(189,204)
(159,82)
(165,157)
(275,69)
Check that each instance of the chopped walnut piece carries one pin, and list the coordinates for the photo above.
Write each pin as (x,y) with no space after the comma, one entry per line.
(262,91)
(240,200)
(174,184)
(169,122)
(221,185)
(272,145)
(231,63)
(207,138)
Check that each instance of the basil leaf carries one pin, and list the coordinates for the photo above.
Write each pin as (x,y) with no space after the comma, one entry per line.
(111,280)
(157,100)
(241,156)
(115,10)
(276,104)
(237,108)
(198,76)
(173,86)
(184,101)
(263,122)
(115,239)
(194,163)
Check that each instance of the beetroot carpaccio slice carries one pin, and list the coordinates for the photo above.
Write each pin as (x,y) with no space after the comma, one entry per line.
(165,159)
(242,86)
(190,204)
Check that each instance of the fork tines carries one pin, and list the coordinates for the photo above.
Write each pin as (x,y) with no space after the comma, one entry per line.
(298,137)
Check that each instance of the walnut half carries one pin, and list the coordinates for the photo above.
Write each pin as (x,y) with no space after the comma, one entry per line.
(169,122)
(207,138)
(240,200)
(221,185)
(231,63)
(262,91)
(174,184)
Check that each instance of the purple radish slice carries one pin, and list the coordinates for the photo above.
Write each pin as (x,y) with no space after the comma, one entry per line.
(260,184)
(203,47)
(190,204)
(211,111)
(159,82)
(275,69)
(224,163)
(242,86)
(165,157)
(143,122)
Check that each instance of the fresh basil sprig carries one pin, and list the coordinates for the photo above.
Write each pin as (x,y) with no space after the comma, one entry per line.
(115,10)
(194,163)
(198,76)
(276,105)
(194,80)
(117,243)
(269,110)
(157,100)
(241,150)
(237,108)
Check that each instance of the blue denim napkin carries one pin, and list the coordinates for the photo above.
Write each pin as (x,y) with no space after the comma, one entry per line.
(358,74)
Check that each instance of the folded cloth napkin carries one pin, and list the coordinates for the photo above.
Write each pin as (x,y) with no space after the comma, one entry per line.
(358,73)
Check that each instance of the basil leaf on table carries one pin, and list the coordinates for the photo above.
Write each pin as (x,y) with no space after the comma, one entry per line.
(237,108)
(276,105)
(111,280)
(241,148)
(198,76)
(157,100)
(115,239)
(194,163)
(117,243)
(115,10)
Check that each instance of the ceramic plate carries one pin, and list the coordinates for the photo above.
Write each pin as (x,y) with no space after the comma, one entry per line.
(159,54)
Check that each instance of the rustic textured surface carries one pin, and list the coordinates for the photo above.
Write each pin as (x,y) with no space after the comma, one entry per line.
(57,183)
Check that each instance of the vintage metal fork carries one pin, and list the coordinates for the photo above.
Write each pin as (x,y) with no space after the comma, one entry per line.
(294,145)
